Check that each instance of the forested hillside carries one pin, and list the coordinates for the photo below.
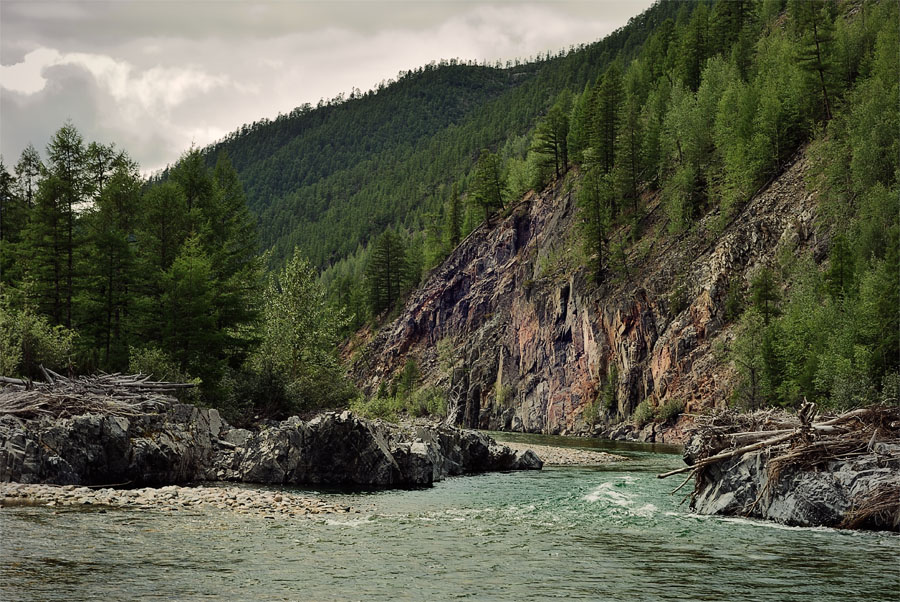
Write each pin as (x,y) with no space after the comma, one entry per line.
(672,125)
(672,147)
(330,179)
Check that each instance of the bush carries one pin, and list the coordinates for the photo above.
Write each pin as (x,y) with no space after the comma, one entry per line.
(27,341)
(157,363)
(670,411)
(642,414)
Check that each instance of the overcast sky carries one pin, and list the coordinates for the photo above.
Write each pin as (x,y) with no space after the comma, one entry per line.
(155,76)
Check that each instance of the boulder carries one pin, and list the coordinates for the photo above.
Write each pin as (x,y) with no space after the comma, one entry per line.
(188,443)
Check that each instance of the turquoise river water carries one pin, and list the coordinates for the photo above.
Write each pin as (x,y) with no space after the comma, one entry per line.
(609,533)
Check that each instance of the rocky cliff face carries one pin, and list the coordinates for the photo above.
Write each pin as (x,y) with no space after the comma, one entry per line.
(512,327)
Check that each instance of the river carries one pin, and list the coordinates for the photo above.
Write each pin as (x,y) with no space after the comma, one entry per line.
(610,533)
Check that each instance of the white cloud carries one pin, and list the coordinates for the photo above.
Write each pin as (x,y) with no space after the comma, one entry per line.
(136,74)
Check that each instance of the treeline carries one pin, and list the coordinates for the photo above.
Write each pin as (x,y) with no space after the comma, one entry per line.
(716,103)
(101,272)
(713,105)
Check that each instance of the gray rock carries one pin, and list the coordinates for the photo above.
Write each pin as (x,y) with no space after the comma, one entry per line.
(184,445)
(818,496)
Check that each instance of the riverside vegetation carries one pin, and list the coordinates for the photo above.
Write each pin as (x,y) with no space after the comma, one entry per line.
(244,265)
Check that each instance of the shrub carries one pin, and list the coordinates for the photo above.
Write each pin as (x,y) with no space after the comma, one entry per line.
(670,411)
(27,341)
(642,414)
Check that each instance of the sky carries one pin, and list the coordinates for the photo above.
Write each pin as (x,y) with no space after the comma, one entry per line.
(157,76)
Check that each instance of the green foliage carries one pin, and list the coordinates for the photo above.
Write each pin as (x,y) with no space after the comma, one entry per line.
(28,340)
(678,298)
(299,342)
(642,414)
(764,294)
(488,185)
(670,411)
(734,299)
(387,272)
(595,201)
(424,401)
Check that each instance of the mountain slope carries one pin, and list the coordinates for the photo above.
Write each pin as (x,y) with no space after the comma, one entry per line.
(537,343)
(329,178)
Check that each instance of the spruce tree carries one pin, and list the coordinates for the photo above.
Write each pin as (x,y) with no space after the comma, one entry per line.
(487,185)
(29,171)
(595,200)
(455,217)
(605,118)
(386,272)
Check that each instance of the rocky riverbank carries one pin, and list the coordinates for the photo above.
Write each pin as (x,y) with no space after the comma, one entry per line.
(839,471)
(566,456)
(171,499)
(185,443)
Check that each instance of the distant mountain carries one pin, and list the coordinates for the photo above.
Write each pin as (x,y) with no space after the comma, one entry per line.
(329,178)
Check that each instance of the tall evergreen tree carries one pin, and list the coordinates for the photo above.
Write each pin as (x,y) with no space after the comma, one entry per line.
(111,267)
(29,171)
(386,271)
(487,185)
(815,27)
(595,202)
(605,118)
(552,132)
(67,170)
(455,216)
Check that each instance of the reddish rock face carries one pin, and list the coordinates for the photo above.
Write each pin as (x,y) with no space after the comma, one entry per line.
(513,328)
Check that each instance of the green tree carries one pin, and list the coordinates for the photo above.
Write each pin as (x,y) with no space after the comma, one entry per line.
(66,190)
(299,340)
(487,185)
(386,271)
(605,117)
(595,201)
(111,277)
(550,138)
(764,294)
(814,24)
(455,217)
(189,333)
(29,171)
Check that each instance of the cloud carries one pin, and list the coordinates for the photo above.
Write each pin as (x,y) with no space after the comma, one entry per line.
(155,77)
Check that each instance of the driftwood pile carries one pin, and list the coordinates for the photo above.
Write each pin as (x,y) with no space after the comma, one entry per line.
(797,442)
(62,397)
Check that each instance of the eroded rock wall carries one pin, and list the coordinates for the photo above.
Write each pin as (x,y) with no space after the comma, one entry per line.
(523,340)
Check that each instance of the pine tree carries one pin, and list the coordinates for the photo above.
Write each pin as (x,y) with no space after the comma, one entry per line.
(29,171)
(552,132)
(386,271)
(694,42)
(815,27)
(13,220)
(764,294)
(111,267)
(487,185)
(595,200)
(189,333)
(628,168)
(605,118)
(455,217)
(66,167)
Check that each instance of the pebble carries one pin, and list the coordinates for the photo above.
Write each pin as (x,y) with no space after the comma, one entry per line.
(269,504)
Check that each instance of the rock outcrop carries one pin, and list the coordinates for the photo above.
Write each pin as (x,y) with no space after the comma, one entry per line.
(512,327)
(838,472)
(829,495)
(188,443)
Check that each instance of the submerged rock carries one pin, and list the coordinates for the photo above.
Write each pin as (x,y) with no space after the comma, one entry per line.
(188,443)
